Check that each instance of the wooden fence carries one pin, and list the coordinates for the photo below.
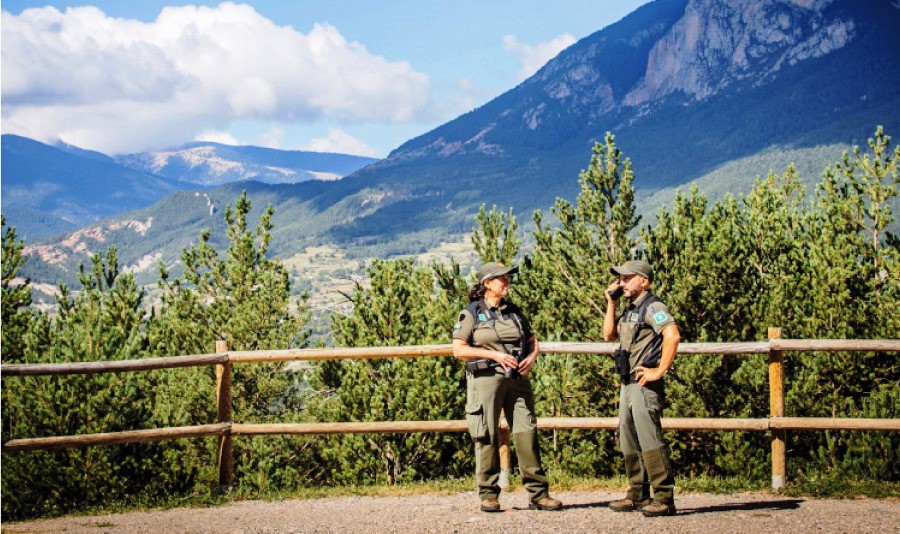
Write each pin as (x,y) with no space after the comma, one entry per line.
(776,424)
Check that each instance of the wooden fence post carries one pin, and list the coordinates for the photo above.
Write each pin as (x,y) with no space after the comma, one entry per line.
(776,409)
(503,440)
(225,459)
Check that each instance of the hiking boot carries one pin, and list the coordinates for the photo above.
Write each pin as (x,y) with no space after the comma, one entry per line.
(490,505)
(628,505)
(547,503)
(659,509)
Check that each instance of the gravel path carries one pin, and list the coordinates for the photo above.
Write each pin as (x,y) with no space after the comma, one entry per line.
(583,512)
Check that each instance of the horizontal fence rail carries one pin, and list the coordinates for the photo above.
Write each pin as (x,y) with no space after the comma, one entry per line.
(416,351)
(116,438)
(225,429)
(455,425)
(376,353)
(117,366)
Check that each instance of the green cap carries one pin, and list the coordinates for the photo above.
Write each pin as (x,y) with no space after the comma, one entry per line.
(637,267)
(493,270)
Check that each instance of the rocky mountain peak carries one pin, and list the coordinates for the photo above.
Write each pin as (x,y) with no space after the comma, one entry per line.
(718,42)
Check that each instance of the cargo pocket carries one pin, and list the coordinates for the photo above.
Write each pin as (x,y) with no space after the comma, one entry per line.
(476,421)
(652,402)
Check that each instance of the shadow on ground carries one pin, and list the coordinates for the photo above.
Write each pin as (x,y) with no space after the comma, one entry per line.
(785,504)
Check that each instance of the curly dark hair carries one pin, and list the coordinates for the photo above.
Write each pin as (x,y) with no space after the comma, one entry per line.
(476,292)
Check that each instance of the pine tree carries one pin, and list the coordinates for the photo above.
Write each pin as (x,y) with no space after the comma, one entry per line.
(16,297)
(243,298)
(769,259)
(402,304)
(103,321)
(571,261)
(495,236)
(852,290)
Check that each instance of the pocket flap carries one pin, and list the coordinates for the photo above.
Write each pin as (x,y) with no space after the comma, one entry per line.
(474,409)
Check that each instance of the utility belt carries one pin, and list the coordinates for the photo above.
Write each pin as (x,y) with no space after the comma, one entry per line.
(473,366)
(628,379)
(622,357)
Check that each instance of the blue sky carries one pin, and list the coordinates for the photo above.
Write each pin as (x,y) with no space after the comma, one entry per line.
(348,76)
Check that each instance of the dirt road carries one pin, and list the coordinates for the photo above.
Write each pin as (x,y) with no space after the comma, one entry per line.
(583,512)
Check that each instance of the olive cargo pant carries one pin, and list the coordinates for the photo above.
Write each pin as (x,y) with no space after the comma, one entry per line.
(487,393)
(641,440)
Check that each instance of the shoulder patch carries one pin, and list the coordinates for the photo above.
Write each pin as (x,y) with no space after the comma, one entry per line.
(462,317)
(660,317)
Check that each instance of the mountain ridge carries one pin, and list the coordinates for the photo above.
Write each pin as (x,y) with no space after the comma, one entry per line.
(874,33)
(50,189)
(211,164)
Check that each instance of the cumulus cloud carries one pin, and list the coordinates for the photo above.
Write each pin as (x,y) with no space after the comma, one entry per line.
(216,136)
(272,138)
(534,57)
(120,85)
(340,141)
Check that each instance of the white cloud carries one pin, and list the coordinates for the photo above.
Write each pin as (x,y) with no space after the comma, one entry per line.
(534,57)
(272,138)
(216,136)
(120,85)
(339,141)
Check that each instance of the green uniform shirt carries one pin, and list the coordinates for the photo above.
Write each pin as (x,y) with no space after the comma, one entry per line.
(494,328)
(656,317)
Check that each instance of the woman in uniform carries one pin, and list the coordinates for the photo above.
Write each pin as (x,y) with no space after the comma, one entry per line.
(500,348)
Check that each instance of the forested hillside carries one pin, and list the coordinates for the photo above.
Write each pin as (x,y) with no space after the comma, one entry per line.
(817,263)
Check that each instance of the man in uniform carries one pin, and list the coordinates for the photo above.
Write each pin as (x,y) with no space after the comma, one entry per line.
(648,340)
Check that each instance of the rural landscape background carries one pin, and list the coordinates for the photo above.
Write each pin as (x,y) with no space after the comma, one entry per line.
(743,148)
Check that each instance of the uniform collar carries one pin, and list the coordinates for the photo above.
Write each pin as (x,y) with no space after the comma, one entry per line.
(636,303)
